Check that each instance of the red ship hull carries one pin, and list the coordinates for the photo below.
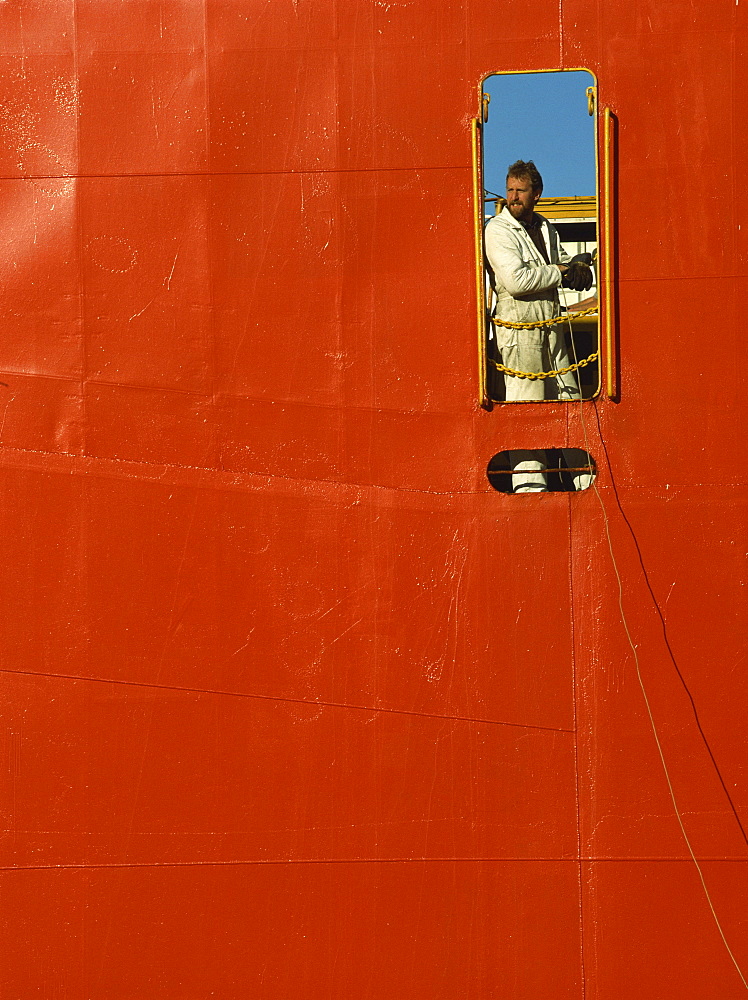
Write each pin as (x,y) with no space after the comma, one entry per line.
(296,704)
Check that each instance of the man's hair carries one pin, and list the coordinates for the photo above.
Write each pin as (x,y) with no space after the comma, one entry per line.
(526,171)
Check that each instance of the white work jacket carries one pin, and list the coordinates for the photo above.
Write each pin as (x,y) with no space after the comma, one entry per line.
(526,287)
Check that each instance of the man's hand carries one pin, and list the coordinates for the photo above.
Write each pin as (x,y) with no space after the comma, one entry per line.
(577,276)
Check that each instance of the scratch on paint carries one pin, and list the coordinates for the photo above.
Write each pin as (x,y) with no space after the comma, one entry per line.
(167,285)
(454,569)
(153,113)
(5,412)
(171,273)
(245,644)
(135,315)
(337,638)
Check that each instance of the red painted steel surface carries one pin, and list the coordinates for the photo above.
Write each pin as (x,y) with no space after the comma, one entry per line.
(296,705)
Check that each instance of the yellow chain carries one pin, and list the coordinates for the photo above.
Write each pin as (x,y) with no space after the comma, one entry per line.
(533,376)
(544,322)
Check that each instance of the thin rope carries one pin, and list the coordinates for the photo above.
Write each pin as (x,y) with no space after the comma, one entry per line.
(640,679)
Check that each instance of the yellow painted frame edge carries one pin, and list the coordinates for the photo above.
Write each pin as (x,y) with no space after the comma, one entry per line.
(480,298)
(484,398)
(609,298)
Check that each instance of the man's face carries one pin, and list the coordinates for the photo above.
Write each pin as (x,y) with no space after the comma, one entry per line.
(521,199)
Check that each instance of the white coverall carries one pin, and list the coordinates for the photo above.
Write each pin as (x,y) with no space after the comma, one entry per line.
(527,291)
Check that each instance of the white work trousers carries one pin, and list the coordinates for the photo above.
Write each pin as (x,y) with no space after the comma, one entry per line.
(533,358)
(528,476)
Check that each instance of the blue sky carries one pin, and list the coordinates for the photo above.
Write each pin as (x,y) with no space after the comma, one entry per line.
(541,117)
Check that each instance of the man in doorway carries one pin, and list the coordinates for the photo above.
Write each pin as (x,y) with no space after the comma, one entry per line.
(529,266)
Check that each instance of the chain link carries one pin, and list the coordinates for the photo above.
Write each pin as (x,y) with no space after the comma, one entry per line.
(544,322)
(534,376)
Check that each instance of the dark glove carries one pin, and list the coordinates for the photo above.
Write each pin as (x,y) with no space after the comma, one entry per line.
(586,258)
(577,276)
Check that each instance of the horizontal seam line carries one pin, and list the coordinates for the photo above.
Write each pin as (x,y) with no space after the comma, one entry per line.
(275,698)
(342,484)
(220,395)
(230,173)
(682,277)
(348,861)
(212,470)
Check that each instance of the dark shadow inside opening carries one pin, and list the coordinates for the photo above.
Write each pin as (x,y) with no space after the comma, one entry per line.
(563,470)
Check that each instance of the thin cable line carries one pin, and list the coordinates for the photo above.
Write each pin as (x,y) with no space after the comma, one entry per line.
(640,679)
(577,782)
